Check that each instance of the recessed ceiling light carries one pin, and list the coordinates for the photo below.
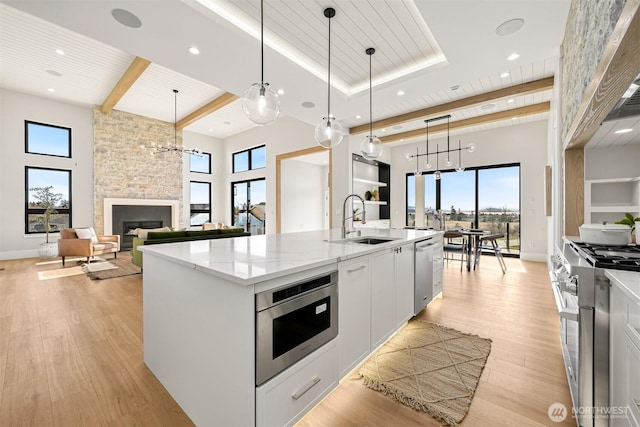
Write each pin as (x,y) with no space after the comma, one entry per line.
(513,56)
(358,116)
(401,139)
(210,130)
(51,89)
(509,27)
(505,74)
(54,73)
(397,127)
(514,118)
(227,122)
(60,51)
(126,18)
(456,87)
(623,131)
(383,130)
(280,91)
(400,92)
(308,104)
(488,106)
(194,50)
(510,101)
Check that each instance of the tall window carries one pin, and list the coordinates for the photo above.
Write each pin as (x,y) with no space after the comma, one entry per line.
(253,158)
(49,140)
(248,201)
(200,203)
(58,182)
(485,197)
(200,163)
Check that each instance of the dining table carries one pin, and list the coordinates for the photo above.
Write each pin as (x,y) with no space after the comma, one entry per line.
(473,240)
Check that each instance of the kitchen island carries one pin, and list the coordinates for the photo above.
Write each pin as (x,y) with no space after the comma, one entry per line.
(199,311)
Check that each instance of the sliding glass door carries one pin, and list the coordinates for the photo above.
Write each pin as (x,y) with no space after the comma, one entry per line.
(248,201)
(484,197)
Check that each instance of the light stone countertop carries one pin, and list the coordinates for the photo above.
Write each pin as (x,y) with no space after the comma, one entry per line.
(628,280)
(254,259)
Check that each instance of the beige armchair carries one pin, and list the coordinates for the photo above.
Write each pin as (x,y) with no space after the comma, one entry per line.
(70,245)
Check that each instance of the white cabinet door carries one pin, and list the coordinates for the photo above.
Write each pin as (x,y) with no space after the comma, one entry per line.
(383,297)
(404,282)
(438,263)
(354,315)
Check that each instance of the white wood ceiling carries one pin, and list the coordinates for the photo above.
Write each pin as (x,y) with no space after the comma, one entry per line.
(96,56)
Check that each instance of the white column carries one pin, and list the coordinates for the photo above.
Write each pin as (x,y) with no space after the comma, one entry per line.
(420,218)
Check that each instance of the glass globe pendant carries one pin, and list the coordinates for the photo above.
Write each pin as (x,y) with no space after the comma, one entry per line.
(459,166)
(329,132)
(259,103)
(371,147)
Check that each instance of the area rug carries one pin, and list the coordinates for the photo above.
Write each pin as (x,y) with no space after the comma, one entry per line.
(430,368)
(119,267)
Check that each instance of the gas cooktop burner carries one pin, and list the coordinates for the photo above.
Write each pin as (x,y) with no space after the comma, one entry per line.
(625,257)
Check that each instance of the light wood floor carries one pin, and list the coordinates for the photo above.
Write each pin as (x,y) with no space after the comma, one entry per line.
(71,352)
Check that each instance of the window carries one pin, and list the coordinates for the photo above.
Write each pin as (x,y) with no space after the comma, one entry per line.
(200,202)
(248,201)
(253,158)
(488,197)
(58,184)
(49,140)
(200,163)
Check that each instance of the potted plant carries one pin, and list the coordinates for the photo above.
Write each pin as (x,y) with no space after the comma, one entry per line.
(632,222)
(375,195)
(47,200)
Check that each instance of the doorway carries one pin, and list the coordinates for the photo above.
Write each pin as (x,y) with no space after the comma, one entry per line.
(303,190)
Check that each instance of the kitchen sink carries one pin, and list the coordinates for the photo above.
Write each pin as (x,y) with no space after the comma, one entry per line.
(365,240)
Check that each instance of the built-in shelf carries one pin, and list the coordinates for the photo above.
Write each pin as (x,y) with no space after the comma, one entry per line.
(614,208)
(609,199)
(374,183)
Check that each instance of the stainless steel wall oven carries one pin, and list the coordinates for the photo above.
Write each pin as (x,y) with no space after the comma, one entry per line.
(293,321)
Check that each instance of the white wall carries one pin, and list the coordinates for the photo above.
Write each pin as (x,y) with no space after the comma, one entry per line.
(283,136)
(15,108)
(302,196)
(215,147)
(525,144)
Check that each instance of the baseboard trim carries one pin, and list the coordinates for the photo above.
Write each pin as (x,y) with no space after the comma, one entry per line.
(30,253)
(534,257)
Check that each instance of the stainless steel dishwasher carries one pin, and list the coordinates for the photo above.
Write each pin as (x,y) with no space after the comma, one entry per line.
(424,253)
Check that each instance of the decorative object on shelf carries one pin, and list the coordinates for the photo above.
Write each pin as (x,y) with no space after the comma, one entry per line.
(355,214)
(159,149)
(437,175)
(367,195)
(375,195)
(47,200)
(329,131)
(259,103)
(371,147)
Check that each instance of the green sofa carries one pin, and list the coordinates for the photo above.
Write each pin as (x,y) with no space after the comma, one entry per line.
(157,237)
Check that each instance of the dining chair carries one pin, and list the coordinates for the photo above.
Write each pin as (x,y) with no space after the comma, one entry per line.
(489,243)
(454,243)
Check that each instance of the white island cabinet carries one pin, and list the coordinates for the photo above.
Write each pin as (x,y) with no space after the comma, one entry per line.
(624,358)
(199,318)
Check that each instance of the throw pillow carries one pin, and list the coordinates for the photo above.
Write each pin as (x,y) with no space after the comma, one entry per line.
(87,233)
(143,233)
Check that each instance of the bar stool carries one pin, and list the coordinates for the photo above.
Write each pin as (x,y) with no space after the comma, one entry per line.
(453,246)
(490,243)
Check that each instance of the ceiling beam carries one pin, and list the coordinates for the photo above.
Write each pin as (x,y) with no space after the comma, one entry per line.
(542,107)
(221,101)
(442,109)
(127,80)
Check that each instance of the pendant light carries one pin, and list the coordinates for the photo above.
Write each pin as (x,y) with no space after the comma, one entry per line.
(259,103)
(371,147)
(159,149)
(329,132)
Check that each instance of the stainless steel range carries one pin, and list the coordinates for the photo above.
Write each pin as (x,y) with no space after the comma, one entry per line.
(581,291)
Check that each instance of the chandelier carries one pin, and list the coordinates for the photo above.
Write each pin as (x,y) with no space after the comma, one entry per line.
(175,148)
(437,174)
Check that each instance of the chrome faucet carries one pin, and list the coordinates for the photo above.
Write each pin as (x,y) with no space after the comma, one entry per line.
(344,214)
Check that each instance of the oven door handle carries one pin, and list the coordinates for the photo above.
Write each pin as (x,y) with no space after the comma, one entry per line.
(563,311)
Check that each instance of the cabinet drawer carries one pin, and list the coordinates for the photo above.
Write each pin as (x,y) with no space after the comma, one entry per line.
(286,398)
